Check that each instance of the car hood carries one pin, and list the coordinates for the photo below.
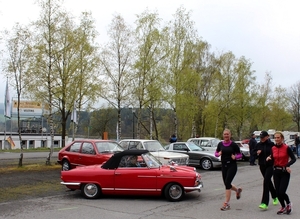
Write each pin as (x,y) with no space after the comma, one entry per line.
(168,154)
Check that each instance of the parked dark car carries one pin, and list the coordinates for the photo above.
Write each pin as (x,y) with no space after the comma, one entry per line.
(198,156)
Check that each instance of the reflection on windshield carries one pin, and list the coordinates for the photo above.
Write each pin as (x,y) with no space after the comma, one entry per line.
(151,161)
(105,147)
(195,147)
(153,146)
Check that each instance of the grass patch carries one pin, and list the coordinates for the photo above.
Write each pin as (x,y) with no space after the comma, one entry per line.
(23,191)
(29,167)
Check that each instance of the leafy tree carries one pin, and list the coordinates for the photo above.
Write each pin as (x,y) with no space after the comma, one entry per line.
(294,109)
(149,68)
(63,69)
(116,65)
(242,97)
(280,118)
(18,44)
(182,38)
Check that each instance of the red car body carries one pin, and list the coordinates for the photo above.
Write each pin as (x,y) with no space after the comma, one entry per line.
(87,152)
(149,178)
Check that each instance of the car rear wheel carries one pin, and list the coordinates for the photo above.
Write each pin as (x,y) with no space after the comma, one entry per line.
(65,165)
(174,192)
(90,190)
(206,164)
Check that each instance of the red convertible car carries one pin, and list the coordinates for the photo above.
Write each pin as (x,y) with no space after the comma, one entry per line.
(133,172)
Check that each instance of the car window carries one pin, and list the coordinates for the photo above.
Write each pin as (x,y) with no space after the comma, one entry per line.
(153,146)
(204,143)
(124,144)
(133,145)
(180,147)
(87,148)
(75,147)
(195,141)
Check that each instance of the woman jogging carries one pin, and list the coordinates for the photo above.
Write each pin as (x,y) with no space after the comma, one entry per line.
(230,152)
(283,158)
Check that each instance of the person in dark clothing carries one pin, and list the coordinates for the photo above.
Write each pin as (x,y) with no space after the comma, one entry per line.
(263,150)
(229,152)
(173,139)
(283,157)
(252,144)
(297,145)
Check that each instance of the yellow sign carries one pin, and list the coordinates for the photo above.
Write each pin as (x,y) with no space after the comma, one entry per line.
(11,142)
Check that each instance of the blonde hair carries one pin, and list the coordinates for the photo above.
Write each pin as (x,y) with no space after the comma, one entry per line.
(280,133)
(227,130)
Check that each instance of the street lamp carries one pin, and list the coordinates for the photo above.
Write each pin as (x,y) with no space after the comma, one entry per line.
(133,115)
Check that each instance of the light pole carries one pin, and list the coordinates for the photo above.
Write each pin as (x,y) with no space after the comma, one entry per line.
(133,115)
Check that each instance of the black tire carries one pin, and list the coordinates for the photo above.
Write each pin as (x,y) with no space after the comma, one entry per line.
(65,165)
(174,192)
(90,190)
(206,164)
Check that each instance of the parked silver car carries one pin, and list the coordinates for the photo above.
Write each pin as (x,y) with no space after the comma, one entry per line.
(208,143)
(156,149)
(199,156)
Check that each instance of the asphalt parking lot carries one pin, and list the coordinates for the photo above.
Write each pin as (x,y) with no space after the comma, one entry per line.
(205,204)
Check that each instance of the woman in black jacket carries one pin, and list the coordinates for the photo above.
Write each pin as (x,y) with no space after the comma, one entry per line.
(263,150)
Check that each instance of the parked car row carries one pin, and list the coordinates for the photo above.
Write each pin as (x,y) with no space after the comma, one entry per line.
(197,152)
(136,167)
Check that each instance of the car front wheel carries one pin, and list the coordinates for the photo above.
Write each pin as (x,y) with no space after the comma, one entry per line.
(65,165)
(206,164)
(90,190)
(174,192)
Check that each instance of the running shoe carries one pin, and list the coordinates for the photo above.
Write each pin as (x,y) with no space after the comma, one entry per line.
(263,206)
(238,193)
(281,211)
(225,207)
(275,201)
(289,208)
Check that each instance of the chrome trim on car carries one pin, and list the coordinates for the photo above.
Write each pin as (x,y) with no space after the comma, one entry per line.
(70,183)
(194,187)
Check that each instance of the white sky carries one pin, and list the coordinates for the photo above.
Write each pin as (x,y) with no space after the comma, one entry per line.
(264,31)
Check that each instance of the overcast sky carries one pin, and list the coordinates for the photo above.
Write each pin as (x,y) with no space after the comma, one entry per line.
(266,32)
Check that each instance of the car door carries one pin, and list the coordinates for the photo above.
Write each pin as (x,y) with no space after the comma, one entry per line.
(135,180)
(73,153)
(88,155)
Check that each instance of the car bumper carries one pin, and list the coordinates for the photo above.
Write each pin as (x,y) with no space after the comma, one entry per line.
(217,164)
(70,183)
(194,188)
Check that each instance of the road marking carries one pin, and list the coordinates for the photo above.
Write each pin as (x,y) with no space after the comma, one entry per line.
(62,209)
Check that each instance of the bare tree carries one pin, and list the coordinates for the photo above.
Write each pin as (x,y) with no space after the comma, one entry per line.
(18,44)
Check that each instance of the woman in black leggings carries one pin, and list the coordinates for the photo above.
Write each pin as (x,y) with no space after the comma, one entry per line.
(283,158)
(230,152)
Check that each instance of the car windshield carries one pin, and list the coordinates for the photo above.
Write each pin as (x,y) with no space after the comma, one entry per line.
(108,147)
(151,161)
(215,142)
(195,147)
(153,146)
